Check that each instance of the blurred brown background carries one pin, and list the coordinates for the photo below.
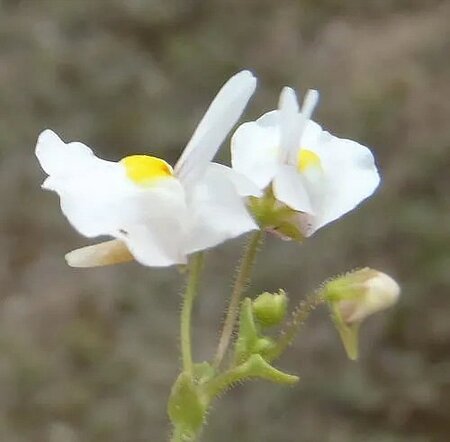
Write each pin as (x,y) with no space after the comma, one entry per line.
(89,355)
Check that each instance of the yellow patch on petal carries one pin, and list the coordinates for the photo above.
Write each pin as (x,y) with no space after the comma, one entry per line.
(143,169)
(307,159)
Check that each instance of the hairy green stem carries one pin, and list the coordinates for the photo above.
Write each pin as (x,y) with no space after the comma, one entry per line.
(298,318)
(240,284)
(195,267)
(177,436)
(254,367)
(223,381)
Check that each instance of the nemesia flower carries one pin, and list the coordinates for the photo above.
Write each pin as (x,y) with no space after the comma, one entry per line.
(319,176)
(157,214)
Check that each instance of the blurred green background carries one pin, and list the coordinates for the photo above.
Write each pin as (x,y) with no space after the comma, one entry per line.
(89,355)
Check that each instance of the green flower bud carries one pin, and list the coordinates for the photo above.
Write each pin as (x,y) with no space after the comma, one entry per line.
(270,308)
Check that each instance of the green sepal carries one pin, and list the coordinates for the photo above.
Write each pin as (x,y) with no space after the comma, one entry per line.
(254,367)
(274,216)
(287,229)
(257,366)
(186,407)
(262,209)
(349,334)
(349,286)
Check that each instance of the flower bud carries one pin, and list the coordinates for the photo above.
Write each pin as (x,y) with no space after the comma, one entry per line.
(361,293)
(270,308)
(355,296)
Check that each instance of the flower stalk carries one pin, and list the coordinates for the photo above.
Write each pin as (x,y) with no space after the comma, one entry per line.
(298,318)
(242,279)
(195,268)
(177,435)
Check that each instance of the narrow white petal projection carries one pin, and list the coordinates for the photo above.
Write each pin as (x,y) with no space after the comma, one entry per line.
(309,103)
(290,122)
(219,119)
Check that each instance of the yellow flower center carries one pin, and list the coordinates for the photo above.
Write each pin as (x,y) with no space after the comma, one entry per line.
(142,169)
(307,159)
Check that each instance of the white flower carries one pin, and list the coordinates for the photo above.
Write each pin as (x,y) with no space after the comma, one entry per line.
(156,213)
(320,176)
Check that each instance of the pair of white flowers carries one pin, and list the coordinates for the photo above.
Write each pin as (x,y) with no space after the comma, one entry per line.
(159,215)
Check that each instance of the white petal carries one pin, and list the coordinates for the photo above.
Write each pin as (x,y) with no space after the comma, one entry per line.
(53,155)
(255,152)
(311,136)
(219,119)
(218,212)
(289,188)
(92,203)
(273,119)
(243,185)
(350,176)
(157,242)
(90,188)
(101,254)
(311,133)
(270,119)
(309,103)
(153,223)
(296,127)
(99,199)
(149,221)
(290,126)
